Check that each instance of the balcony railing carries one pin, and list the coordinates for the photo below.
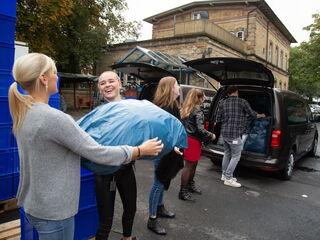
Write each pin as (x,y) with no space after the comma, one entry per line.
(211,30)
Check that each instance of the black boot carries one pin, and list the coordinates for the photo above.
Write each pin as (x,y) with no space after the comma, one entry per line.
(193,189)
(164,213)
(185,195)
(103,231)
(155,226)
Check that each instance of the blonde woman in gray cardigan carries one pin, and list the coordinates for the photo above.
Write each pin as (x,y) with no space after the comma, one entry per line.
(50,145)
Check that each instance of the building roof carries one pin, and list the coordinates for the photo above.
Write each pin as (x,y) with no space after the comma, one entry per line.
(155,58)
(77,77)
(261,4)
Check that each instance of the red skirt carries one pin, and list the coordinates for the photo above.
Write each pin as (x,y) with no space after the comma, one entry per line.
(193,152)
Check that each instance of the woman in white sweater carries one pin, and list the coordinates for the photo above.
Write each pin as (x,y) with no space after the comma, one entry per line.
(50,145)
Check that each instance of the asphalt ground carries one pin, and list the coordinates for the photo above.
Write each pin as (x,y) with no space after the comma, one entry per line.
(264,208)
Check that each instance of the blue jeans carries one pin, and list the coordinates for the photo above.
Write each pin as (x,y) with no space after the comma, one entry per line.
(232,154)
(53,229)
(156,195)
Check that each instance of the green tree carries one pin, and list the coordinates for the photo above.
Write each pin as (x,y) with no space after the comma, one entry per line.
(304,64)
(73,32)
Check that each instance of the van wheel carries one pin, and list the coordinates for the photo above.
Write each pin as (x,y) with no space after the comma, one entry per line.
(313,151)
(287,172)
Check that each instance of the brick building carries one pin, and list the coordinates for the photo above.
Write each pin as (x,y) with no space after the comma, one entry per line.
(218,28)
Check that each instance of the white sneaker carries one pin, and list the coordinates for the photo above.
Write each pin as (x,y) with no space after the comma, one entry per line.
(223,178)
(232,183)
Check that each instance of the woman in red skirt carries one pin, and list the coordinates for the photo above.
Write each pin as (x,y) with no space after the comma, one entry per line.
(193,120)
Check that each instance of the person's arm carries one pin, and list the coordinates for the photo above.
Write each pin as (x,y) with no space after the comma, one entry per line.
(65,131)
(248,110)
(219,113)
(199,118)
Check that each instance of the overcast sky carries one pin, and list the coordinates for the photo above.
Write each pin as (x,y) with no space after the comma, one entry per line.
(295,14)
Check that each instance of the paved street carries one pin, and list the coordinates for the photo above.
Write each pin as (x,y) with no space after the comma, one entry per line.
(264,208)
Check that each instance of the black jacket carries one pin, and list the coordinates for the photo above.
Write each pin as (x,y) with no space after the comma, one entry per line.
(174,111)
(168,168)
(171,163)
(194,125)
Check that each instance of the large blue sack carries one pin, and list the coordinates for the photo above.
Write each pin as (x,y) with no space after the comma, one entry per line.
(131,122)
(258,136)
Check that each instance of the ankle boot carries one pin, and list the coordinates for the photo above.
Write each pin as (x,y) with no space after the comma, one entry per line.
(164,213)
(185,195)
(155,226)
(193,189)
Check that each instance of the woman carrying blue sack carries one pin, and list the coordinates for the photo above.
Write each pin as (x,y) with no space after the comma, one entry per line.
(124,179)
(50,144)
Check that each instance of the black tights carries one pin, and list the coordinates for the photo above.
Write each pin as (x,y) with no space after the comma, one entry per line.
(188,172)
(126,184)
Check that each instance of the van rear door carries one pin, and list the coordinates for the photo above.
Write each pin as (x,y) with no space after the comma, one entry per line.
(234,71)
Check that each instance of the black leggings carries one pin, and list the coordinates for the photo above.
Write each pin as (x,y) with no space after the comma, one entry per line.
(126,183)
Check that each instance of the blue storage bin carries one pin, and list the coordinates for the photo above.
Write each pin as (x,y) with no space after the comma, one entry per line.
(8,27)
(6,56)
(89,218)
(6,187)
(54,102)
(15,183)
(86,224)
(5,116)
(6,136)
(5,81)
(8,7)
(14,142)
(55,96)
(27,232)
(87,191)
(16,162)
(6,162)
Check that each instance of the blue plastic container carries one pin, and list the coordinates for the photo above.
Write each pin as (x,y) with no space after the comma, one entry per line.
(6,162)
(5,116)
(6,187)
(6,56)
(15,183)
(86,224)
(6,139)
(7,25)
(27,232)
(16,163)
(8,7)
(5,81)
(87,192)
(54,102)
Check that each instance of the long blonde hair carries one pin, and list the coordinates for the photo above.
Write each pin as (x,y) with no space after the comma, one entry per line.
(26,72)
(164,96)
(193,99)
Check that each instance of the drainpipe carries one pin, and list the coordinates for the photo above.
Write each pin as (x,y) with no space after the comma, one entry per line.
(174,25)
(267,45)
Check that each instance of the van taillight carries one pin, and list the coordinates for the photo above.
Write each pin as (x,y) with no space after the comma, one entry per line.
(206,125)
(275,138)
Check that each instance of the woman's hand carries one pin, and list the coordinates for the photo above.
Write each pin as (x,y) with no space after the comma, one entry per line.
(213,136)
(150,147)
(177,150)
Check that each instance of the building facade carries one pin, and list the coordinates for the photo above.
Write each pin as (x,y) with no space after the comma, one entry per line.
(219,28)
